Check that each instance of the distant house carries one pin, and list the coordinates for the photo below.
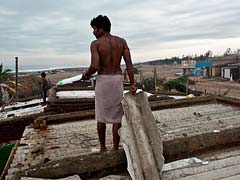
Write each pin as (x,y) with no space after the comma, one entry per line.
(188,66)
(202,68)
(196,68)
(175,63)
(215,70)
(231,72)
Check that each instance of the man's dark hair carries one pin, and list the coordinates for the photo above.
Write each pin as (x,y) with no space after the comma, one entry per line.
(43,74)
(101,22)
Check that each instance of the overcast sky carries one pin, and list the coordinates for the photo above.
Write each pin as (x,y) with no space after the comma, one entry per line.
(50,33)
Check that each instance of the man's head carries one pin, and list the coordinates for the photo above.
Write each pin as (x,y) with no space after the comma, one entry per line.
(101,25)
(43,74)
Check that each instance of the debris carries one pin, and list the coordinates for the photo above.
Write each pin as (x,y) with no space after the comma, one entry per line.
(95,150)
(199,115)
(40,123)
(193,161)
(10,115)
(141,139)
(36,148)
(45,160)
(190,96)
(164,125)
(116,177)
(208,118)
(75,177)
(221,122)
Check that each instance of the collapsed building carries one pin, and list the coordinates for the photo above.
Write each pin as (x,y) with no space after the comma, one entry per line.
(199,136)
(200,139)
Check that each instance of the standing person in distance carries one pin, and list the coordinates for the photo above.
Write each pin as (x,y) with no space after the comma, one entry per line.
(44,88)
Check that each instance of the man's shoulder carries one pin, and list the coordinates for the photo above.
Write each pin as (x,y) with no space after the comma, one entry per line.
(118,37)
(94,41)
(121,40)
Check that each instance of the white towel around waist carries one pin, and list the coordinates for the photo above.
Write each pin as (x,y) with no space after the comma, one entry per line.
(108,97)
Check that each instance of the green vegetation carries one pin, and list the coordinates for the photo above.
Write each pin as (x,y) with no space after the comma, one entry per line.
(178,84)
(4,74)
(4,154)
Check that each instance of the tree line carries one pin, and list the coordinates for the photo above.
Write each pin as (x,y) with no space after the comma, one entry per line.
(205,56)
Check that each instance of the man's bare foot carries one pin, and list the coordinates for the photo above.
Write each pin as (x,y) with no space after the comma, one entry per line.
(43,103)
(115,148)
(103,149)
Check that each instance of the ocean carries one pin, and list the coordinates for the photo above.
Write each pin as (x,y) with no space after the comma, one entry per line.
(41,68)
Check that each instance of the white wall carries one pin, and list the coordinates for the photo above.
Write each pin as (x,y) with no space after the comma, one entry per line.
(227,73)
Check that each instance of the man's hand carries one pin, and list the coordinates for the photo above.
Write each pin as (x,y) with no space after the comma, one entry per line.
(133,89)
(84,77)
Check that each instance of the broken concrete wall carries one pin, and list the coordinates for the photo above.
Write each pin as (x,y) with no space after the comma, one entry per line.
(141,139)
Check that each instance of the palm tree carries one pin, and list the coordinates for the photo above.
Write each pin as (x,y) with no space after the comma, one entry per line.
(4,74)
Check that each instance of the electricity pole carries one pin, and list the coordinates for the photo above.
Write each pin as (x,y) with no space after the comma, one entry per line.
(16,78)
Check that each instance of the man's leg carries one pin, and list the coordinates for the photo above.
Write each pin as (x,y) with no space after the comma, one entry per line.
(101,127)
(116,138)
(45,96)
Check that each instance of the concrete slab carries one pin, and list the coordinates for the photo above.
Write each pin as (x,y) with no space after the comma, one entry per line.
(187,127)
(141,139)
(58,142)
(21,112)
(75,177)
(116,177)
(199,119)
(221,164)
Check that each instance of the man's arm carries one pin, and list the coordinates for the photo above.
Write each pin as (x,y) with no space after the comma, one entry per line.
(129,65)
(94,62)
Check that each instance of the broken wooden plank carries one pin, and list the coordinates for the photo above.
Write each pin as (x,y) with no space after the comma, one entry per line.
(140,138)
(10,158)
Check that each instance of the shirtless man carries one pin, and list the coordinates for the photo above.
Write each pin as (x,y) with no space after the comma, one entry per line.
(44,87)
(106,54)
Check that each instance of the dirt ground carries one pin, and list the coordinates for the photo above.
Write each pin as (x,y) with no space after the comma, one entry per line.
(216,86)
(208,85)
(163,71)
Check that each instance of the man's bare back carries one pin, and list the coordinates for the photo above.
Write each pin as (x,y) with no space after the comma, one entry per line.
(106,54)
(110,50)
